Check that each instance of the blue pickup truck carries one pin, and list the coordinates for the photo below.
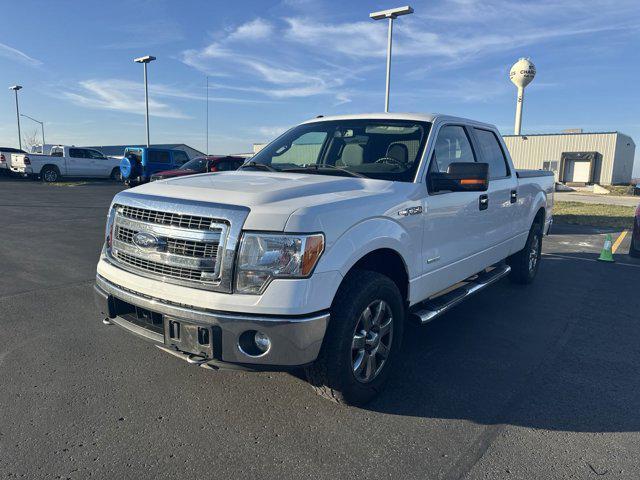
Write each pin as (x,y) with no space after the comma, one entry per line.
(139,163)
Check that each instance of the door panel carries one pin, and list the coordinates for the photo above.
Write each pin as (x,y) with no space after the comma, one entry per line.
(455,240)
(501,222)
(78,165)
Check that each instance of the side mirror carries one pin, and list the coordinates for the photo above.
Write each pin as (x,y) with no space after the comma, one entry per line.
(461,177)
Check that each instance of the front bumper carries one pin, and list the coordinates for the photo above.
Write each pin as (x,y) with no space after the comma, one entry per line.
(295,340)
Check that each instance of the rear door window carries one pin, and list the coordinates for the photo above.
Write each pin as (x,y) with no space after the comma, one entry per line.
(492,153)
(158,156)
(78,153)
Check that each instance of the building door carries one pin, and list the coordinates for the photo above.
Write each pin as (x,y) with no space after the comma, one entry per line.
(578,172)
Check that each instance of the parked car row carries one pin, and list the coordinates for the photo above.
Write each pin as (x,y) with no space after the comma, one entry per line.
(137,166)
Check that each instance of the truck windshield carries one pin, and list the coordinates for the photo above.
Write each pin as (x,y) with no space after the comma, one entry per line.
(380,149)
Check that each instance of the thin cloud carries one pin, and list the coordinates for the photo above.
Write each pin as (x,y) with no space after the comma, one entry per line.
(16,55)
(121,96)
(257,29)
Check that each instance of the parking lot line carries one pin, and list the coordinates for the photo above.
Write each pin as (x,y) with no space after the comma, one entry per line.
(567,257)
(618,241)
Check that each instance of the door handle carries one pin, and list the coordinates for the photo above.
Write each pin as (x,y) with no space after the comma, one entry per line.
(484,202)
(514,196)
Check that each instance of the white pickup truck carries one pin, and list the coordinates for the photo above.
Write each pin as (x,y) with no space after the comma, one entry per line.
(64,161)
(318,250)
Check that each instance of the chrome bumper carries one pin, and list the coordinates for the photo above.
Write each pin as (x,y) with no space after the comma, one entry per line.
(294,340)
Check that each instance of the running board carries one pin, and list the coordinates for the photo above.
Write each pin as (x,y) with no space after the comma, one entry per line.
(434,307)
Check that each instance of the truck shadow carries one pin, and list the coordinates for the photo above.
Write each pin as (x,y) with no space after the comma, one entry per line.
(561,354)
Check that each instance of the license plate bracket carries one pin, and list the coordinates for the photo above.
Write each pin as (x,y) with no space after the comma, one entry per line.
(188,337)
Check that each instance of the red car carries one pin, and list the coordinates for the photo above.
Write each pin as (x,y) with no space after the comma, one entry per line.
(212,163)
(634,249)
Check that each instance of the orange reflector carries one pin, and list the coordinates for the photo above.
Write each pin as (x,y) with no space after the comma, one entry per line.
(313,249)
(472,181)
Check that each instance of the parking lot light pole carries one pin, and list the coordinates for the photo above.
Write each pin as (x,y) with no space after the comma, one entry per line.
(144,61)
(390,14)
(15,88)
(41,126)
(207,140)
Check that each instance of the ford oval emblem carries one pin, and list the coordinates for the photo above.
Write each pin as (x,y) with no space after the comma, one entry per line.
(147,241)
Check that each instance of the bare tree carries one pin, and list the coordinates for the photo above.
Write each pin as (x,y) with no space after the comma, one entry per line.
(30,140)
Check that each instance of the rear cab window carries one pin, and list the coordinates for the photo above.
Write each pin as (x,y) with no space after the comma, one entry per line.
(134,155)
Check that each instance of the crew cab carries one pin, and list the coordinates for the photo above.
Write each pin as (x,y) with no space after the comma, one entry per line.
(318,250)
(140,163)
(210,163)
(65,161)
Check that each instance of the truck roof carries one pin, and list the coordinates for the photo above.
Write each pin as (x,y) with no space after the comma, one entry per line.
(418,117)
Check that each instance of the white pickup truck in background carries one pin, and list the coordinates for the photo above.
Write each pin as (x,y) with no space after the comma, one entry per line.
(64,161)
(318,250)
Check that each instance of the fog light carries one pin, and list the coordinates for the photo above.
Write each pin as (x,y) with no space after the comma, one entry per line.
(254,343)
(262,341)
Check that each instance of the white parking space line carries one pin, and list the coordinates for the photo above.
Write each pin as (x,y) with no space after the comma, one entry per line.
(566,257)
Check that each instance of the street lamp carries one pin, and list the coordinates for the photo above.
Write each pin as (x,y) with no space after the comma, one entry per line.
(41,126)
(144,61)
(207,140)
(391,14)
(15,88)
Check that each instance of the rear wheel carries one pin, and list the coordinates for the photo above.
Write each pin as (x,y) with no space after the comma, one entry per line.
(50,174)
(525,264)
(634,248)
(362,339)
(116,175)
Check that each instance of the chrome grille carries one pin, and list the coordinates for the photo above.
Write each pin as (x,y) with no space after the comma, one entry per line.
(159,268)
(195,248)
(187,248)
(166,218)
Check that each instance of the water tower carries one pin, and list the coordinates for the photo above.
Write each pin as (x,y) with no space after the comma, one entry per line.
(521,75)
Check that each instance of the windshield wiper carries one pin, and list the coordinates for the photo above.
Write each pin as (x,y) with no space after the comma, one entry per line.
(262,166)
(318,166)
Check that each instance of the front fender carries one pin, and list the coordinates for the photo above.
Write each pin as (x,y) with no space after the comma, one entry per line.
(365,237)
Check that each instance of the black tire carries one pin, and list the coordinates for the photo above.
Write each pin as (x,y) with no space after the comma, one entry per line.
(525,264)
(50,174)
(332,375)
(116,175)
(634,247)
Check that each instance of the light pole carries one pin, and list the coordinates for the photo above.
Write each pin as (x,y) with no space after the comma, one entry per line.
(207,148)
(41,126)
(15,88)
(144,61)
(391,14)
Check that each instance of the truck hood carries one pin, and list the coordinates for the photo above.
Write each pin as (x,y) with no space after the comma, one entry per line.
(271,197)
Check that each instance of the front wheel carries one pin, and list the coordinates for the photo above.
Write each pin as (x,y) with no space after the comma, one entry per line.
(362,339)
(525,264)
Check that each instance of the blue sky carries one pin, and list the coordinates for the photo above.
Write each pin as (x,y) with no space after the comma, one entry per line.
(273,64)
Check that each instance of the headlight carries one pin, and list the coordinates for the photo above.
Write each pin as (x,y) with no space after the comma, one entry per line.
(264,257)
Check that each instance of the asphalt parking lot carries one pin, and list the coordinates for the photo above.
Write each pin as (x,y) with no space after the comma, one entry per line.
(524,383)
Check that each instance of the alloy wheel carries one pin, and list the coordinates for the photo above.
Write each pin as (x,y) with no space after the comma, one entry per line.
(534,253)
(372,339)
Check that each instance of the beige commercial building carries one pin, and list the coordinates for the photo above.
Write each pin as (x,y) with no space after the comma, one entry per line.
(575,157)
